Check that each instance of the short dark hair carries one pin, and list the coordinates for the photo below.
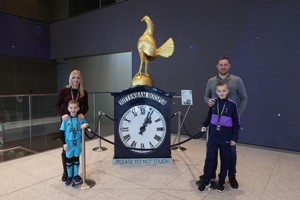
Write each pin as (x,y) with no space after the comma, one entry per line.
(221,83)
(224,58)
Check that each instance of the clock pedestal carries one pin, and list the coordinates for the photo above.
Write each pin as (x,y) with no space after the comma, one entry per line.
(142,121)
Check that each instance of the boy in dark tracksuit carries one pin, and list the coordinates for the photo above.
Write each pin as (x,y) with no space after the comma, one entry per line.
(224,124)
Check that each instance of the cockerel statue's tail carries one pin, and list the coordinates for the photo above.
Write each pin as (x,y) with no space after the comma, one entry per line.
(166,49)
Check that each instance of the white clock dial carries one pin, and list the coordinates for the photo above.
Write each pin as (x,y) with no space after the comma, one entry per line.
(143,127)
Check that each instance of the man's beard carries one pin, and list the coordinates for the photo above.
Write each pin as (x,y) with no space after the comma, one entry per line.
(223,73)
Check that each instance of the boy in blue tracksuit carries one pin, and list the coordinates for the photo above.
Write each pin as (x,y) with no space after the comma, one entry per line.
(72,142)
(224,124)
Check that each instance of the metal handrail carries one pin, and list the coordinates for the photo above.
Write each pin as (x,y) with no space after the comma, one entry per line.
(25,116)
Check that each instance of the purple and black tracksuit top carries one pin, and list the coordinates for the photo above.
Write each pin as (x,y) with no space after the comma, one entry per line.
(229,122)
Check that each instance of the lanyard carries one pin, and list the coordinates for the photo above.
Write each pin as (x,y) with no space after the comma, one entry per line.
(226,79)
(74,130)
(218,110)
(72,95)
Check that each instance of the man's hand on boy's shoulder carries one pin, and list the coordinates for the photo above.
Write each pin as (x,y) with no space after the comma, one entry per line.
(211,102)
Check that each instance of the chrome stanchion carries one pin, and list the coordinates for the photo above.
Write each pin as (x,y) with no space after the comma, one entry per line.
(180,124)
(86,183)
(99,148)
(179,148)
(177,113)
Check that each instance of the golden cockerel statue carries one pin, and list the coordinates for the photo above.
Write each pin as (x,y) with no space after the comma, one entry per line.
(148,51)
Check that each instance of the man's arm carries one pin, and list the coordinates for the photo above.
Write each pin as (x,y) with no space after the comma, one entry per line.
(207,94)
(243,96)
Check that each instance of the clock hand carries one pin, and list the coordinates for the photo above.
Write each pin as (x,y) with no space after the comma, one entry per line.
(149,117)
(143,128)
(146,122)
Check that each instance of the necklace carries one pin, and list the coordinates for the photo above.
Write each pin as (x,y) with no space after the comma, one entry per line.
(219,115)
(225,79)
(74,130)
(73,94)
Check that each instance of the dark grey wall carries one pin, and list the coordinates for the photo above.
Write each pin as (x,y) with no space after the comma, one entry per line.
(41,10)
(20,75)
(260,36)
(24,56)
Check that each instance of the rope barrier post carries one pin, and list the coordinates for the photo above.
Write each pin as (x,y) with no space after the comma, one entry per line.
(179,148)
(99,148)
(86,184)
(177,113)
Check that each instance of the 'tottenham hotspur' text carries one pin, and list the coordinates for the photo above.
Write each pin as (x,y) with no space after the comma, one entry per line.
(137,95)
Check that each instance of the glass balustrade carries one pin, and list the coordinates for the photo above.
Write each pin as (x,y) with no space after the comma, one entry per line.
(30,124)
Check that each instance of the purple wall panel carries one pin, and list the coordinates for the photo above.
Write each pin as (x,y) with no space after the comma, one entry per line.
(24,37)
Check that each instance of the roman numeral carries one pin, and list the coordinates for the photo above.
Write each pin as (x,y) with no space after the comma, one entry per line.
(125,119)
(142,146)
(133,144)
(159,119)
(124,129)
(160,128)
(126,138)
(143,110)
(151,145)
(156,137)
(134,112)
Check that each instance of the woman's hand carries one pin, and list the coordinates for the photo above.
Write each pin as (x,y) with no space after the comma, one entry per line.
(80,116)
(65,116)
(232,143)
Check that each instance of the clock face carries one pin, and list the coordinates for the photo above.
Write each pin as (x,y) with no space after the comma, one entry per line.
(143,127)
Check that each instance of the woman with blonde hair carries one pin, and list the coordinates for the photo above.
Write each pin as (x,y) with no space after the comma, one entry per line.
(74,90)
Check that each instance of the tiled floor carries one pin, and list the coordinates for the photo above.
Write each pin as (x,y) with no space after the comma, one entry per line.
(263,174)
